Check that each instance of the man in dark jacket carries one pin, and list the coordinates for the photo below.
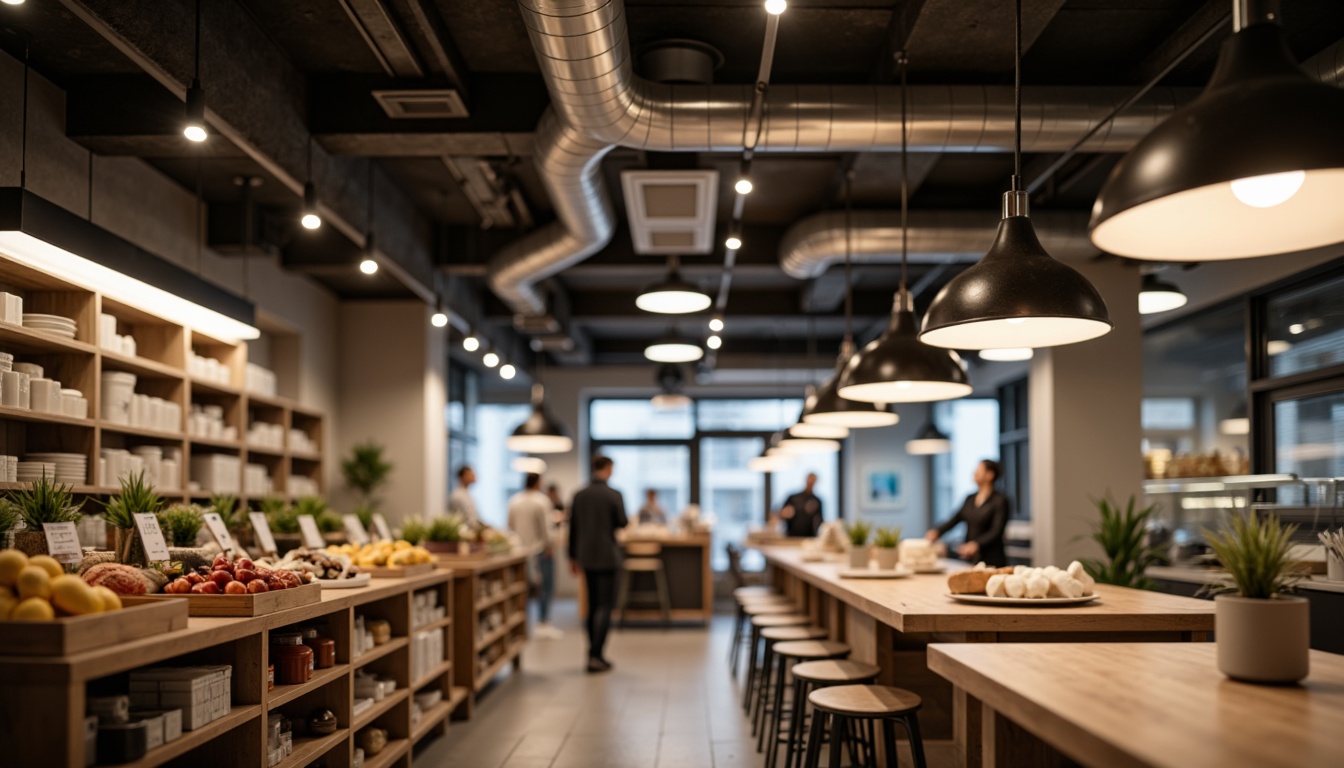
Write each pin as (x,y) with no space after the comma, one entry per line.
(597,513)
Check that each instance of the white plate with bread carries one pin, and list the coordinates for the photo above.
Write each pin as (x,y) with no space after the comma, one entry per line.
(1024,602)
(873,573)
(1023,586)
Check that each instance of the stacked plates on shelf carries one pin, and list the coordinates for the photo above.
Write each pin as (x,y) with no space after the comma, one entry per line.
(31,471)
(70,468)
(53,324)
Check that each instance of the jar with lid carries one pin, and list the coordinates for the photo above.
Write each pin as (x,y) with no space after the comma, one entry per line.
(293,660)
(324,651)
(381,629)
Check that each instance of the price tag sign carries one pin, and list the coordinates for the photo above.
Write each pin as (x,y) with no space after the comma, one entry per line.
(156,547)
(219,531)
(263,530)
(312,537)
(380,525)
(63,542)
(354,530)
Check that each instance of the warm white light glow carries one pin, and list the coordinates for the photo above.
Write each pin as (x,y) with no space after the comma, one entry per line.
(530,465)
(311,221)
(819,431)
(471,343)
(716,324)
(674,352)
(714,342)
(854,419)
(539,444)
(1015,320)
(1006,355)
(1241,426)
(805,445)
(673,302)
(490,359)
(123,288)
(507,371)
(927,447)
(1269,190)
(742,187)
(1296,328)
(368,266)
(1153,302)
(195,133)
(12,2)
(1277,346)
(904,391)
(670,401)
(733,242)
(438,320)
(776,7)
(773,463)
(1017,332)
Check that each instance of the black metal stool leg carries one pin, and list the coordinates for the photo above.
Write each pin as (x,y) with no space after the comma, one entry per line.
(775,719)
(769,730)
(813,757)
(792,747)
(911,722)
(751,667)
(869,745)
(763,688)
(838,726)
(889,741)
(736,649)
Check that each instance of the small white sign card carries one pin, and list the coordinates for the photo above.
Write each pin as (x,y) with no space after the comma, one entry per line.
(151,535)
(354,530)
(312,537)
(380,526)
(219,531)
(263,529)
(63,542)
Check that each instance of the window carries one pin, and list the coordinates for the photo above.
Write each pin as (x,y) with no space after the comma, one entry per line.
(770,415)
(1168,413)
(1304,328)
(973,425)
(1309,436)
(637,420)
(733,494)
(496,479)
(1015,446)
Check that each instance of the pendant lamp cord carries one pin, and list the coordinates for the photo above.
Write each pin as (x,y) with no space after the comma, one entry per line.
(23,134)
(199,205)
(849,286)
(905,188)
(198,41)
(368,216)
(1017,97)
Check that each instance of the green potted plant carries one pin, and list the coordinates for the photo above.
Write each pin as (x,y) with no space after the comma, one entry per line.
(414,530)
(232,514)
(181,524)
(887,544)
(136,497)
(1263,634)
(445,534)
(9,520)
(365,472)
(1122,535)
(859,551)
(284,522)
(44,501)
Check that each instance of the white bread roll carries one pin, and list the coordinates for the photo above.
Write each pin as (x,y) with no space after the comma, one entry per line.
(995,586)
(1038,586)
(1015,586)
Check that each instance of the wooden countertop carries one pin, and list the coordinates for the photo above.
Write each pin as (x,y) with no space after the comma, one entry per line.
(669,539)
(1158,705)
(920,604)
(470,566)
(1196,575)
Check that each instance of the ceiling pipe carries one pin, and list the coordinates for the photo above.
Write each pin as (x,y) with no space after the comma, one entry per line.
(598,103)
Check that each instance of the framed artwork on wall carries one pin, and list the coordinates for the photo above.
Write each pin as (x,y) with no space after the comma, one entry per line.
(883,488)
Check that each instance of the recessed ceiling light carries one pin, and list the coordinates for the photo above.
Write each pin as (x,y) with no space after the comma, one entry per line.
(743,187)
(368,266)
(733,243)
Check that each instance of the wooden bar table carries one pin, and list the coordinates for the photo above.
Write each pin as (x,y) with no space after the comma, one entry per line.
(690,578)
(1155,705)
(892,622)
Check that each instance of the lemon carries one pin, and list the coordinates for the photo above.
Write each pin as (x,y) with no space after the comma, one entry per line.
(7,603)
(73,596)
(34,582)
(48,564)
(111,600)
(11,562)
(33,609)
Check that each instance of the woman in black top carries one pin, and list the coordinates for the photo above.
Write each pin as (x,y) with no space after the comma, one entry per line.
(985,514)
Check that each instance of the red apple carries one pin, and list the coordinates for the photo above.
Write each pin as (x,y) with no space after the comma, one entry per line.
(245,563)
(275,582)
(221,578)
(263,572)
(257,586)
(244,575)
(235,588)
(205,588)
(178,586)
(194,578)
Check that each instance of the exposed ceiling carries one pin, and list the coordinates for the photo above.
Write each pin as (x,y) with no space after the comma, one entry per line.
(451,191)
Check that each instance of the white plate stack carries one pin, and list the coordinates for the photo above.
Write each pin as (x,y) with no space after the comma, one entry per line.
(152,456)
(72,468)
(208,369)
(118,392)
(52,324)
(257,480)
(11,306)
(298,485)
(116,464)
(9,468)
(259,380)
(31,471)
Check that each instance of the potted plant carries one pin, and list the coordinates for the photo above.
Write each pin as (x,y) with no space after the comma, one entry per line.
(9,520)
(365,472)
(284,522)
(414,530)
(445,534)
(1122,536)
(181,524)
(887,543)
(1334,554)
(1263,635)
(229,511)
(44,501)
(859,551)
(136,497)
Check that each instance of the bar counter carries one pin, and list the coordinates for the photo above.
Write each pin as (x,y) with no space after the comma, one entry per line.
(690,579)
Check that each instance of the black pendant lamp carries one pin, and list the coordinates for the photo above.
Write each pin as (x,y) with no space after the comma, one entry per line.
(1253,167)
(541,432)
(1017,295)
(930,441)
(1158,295)
(673,296)
(897,367)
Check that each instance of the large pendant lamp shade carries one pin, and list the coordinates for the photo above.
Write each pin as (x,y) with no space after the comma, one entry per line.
(820,431)
(930,441)
(828,407)
(1253,167)
(673,296)
(1158,295)
(771,463)
(897,367)
(674,348)
(541,432)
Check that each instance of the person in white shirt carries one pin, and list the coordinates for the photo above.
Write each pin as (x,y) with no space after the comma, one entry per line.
(530,517)
(460,502)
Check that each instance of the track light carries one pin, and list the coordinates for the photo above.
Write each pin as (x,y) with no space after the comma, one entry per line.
(194,127)
(733,243)
(743,187)
(471,343)
(716,324)
(439,319)
(507,371)
(490,359)
(310,220)
(714,342)
(368,266)
(776,7)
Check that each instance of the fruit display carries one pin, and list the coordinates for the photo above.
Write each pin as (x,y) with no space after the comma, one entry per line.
(121,579)
(327,566)
(38,589)
(384,553)
(239,576)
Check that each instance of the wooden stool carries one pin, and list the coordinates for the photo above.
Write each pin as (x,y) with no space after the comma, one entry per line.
(755,591)
(779,657)
(758,645)
(644,558)
(745,598)
(844,704)
(807,677)
(750,612)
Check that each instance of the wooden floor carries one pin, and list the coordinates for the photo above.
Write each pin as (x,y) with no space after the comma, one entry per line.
(668,704)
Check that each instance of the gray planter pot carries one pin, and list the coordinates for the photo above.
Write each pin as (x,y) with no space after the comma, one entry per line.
(859,556)
(1262,641)
(887,558)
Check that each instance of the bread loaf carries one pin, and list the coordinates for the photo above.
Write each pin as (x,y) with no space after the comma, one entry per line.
(973,582)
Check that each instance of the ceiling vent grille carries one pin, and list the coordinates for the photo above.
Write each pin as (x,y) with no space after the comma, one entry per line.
(421,104)
(671,212)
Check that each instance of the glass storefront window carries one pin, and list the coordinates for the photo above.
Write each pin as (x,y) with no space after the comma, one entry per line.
(637,420)
(1309,436)
(663,468)
(732,493)
(973,425)
(1305,328)
(496,480)
(767,415)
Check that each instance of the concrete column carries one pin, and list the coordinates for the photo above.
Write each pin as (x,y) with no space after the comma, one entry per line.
(393,390)
(1086,431)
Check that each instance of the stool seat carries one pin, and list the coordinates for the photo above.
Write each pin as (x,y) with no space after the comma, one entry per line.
(754,590)
(812,649)
(643,564)
(751,599)
(785,634)
(865,700)
(836,671)
(780,620)
(764,610)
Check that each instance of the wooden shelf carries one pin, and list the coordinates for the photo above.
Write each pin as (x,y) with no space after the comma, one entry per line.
(189,740)
(496,634)
(380,708)
(493,600)
(232,445)
(394,750)
(272,401)
(379,651)
(485,677)
(140,366)
(457,696)
(79,490)
(204,386)
(278,453)
(305,456)
(444,622)
(283,694)
(308,750)
(40,417)
(126,429)
(430,718)
(443,668)
(16,338)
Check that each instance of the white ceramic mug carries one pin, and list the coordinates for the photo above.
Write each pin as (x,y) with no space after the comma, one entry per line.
(45,395)
(9,389)
(25,400)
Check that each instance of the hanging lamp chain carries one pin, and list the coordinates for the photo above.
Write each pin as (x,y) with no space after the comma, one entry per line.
(849,284)
(23,133)
(197,75)
(905,179)
(1017,96)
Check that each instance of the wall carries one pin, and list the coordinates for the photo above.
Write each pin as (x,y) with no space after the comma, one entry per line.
(884,448)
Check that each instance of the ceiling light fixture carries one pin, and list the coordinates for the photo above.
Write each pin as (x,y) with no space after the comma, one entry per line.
(368,266)
(507,371)
(897,367)
(1238,422)
(930,441)
(716,323)
(743,187)
(540,432)
(673,348)
(776,7)
(528,465)
(733,243)
(310,219)
(768,463)
(1159,296)
(714,342)
(670,401)
(819,431)
(673,296)
(1017,295)
(12,2)
(471,343)
(439,319)
(1007,354)
(194,126)
(1249,168)
(1277,347)
(490,359)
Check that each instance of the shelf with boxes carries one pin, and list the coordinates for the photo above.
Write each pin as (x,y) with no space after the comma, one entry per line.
(489,620)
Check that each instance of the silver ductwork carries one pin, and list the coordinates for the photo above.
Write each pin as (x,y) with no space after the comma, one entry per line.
(936,237)
(597,103)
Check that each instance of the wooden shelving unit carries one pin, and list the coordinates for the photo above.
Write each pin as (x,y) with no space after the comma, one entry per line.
(161,367)
(490,617)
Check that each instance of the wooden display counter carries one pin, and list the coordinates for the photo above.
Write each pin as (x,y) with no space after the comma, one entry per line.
(42,710)
(490,614)
(690,578)
(892,622)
